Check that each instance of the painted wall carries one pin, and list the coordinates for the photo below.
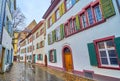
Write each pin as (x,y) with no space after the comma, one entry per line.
(40,50)
(78,42)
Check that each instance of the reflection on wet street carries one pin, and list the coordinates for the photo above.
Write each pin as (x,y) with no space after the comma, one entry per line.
(28,72)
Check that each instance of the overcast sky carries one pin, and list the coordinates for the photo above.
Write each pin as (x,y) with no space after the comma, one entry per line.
(33,9)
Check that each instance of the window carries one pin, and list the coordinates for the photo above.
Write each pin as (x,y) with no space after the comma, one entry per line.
(90,16)
(41,31)
(68,4)
(107,53)
(67,29)
(58,36)
(21,58)
(50,38)
(52,56)
(118,3)
(57,14)
(71,26)
(50,21)
(40,57)
(84,21)
(98,14)
(74,24)
(37,34)
(42,44)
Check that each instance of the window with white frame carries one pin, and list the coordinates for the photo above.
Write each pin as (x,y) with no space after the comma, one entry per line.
(90,16)
(68,4)
(50,21)
(107,53)
(57,14)
(58,35)
(84,21)
(98,14)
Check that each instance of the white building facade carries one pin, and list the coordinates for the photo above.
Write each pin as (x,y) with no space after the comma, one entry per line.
(82,37)
(6,34)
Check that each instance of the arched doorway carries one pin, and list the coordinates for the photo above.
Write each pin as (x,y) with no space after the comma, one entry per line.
(67,59)
(46,60)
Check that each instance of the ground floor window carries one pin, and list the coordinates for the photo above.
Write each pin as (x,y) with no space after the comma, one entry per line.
(105,52)
(52,56)
(40,57)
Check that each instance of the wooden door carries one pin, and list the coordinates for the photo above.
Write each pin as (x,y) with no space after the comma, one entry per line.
(2,58)
(68,62)
(46,60)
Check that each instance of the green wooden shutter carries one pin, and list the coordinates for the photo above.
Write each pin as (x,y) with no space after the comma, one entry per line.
(55,57)
(48,39)
(92,54)
(60,9)
(62,31)
(41,56)
(117,44)
(63,8)
(53,36)
(107,8)
(77,22)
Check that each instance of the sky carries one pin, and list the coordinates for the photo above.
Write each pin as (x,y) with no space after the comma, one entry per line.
(33,9)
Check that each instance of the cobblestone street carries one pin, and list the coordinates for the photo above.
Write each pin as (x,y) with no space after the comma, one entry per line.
(20,72)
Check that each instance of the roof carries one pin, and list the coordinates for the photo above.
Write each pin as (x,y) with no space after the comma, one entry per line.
(50,9)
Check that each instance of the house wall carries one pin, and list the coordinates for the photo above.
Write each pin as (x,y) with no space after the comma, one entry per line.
(38,40)
(78,42)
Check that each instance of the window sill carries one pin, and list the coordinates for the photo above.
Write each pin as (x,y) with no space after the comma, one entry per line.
(105,67)
(93,25)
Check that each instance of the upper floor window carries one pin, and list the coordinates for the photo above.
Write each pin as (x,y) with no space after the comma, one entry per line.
(84,21)
(58,36)
(68,4)
(98,14)
(37,34)
(90,16)
(41,31)
(57,14)
(118,3)
(50,21)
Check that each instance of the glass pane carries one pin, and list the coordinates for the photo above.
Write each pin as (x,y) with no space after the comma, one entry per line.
(104,61)
(98,13)
(84,21)
(101,45)
(119,2)
(112,53)
(113,61)
(110,44)
(103,54)
(90,16)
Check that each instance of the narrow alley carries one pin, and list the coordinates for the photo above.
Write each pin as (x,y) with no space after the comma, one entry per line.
(28,72)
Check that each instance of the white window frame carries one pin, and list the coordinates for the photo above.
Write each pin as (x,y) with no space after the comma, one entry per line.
(106,49)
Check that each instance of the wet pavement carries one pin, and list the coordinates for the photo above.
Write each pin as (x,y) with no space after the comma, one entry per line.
(28,72)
